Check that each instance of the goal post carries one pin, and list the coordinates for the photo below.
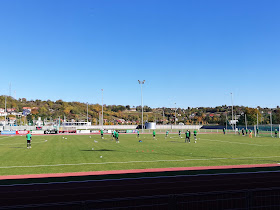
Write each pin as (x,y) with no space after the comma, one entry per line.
(267,130)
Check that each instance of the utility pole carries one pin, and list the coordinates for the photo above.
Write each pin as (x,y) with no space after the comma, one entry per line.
(232,112)
(175,115)
(141,83)
(271,122)
(226,123)
(258,120)
(87,115)
(246,121)
(102,110)
(163,116)
(235,124)
(5,109)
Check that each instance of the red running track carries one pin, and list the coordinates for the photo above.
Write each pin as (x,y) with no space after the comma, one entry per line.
(133,171)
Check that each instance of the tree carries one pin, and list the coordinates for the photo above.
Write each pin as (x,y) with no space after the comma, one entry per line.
(276,116)
(251,116)
(147,109)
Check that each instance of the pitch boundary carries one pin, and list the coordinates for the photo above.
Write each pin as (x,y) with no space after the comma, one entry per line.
(139,171)
(140,161)
(42,141)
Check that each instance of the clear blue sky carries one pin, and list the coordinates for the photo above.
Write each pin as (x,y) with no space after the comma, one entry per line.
(190,52)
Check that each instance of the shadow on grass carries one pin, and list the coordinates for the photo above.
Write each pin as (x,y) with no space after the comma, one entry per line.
(98,150)
(17,147)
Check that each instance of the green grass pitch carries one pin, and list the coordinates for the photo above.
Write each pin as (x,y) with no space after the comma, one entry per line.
(74,153)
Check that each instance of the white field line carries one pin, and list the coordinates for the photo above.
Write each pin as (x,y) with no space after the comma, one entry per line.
(233,142)
(5,137)
(127,162)
(23,143)
(174,137)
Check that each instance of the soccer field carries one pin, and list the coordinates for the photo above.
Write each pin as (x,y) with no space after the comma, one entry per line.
(80,153)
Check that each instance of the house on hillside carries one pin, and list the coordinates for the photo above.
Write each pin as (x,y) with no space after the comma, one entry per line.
(10,110)
(26,111)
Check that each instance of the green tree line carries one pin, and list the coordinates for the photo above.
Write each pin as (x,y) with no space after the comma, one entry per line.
(199,115)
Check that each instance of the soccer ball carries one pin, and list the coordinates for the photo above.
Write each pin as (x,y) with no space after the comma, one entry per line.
(100,156)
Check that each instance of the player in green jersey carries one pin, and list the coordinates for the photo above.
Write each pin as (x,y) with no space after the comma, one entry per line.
(224,130)
(166,134)
(246,131)
(276,132)
(138,135)
(154,134)
(117,137)
(194,134)
(28,138)
(114,134)
(180,134)
(102,132)
(257,131)
(250,133)
(188,135)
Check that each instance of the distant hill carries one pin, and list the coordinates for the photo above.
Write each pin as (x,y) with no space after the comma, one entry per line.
(132,115)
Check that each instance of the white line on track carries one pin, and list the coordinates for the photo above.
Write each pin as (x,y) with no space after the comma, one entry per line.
(231,142)
(127,162)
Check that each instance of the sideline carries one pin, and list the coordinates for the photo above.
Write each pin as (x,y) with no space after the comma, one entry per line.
(141,161)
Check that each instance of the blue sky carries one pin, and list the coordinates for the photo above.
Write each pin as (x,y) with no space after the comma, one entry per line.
(192,53)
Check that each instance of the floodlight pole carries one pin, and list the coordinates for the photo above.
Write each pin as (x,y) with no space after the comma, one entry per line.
(175,115)
(141,83)
(5,109)
(102,110)
(235,124)
(258,120)
(246,121)
(232,111)
(271,122)
(87,115)
(87,112)
(226,123)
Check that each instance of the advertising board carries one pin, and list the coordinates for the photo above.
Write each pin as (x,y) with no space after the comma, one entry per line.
(38,132)
(22,132)
(121,131)
(83,131)
(95,131)
(50,132)
(8,132)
